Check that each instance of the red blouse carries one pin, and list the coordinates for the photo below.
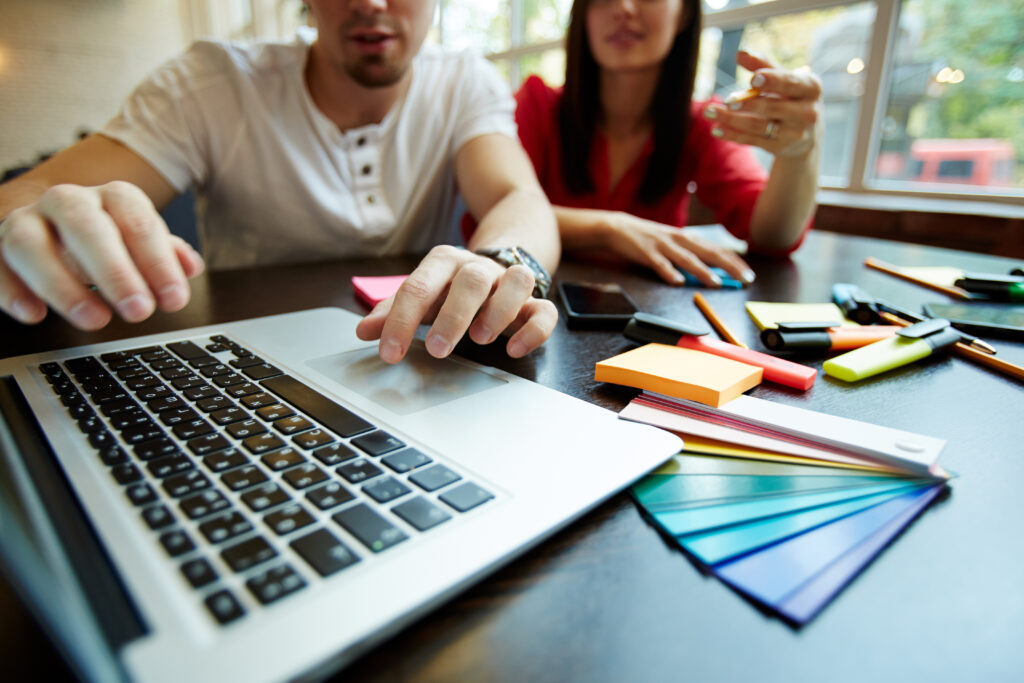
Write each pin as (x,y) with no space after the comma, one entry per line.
(727,176)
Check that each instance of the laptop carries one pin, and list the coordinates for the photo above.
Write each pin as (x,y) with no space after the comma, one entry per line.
(265,500)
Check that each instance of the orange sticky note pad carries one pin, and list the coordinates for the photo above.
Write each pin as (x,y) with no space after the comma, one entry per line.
(679,372)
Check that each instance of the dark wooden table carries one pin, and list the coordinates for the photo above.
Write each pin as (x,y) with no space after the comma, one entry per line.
(609,600)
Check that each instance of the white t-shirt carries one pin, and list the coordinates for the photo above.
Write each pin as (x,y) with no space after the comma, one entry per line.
(278,182)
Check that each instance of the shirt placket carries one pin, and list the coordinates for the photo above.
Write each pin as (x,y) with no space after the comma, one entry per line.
(365,169)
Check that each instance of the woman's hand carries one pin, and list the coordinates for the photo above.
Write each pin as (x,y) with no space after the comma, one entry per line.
(665,249)
(784,118)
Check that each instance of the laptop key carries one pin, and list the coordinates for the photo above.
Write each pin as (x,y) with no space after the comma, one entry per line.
(187,350)
(248,554)
(254,401)
(386,489)
(229,415)
(204,503)
(304,476)
(141,494)
(406,460)
(246,428)
(225,527)
(226,381)
(176,542)
(329,495)
(274,584)
(434,477)
(157,516)
(240,390)
(166,403)
(293,424)
(245,361)
(102,439)
(140,433)
(466,496)
(192,429)
(243,477)
(334,454)
(225,460)
(215,403)
(224,606)
(198,572)
(261,371)
(258,445)
(128,419)
(209,443)
(201,392)
(161,468)
(421,513)
(91,424)
(114,455)
(338,419)
(118,407)
(181,485)
(371,529)
(274,412)
(358,470)
(378,442)
(282,459)
(178,415)
(265,497)
(324,553)
(313,439)
(126,474)
(147,450)
(288,519)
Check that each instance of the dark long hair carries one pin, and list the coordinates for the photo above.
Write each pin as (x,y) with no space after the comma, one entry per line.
(669,110)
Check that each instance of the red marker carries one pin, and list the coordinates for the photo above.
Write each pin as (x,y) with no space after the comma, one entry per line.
(647,328)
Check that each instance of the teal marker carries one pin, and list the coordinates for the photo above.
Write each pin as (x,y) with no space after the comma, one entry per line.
(908,345)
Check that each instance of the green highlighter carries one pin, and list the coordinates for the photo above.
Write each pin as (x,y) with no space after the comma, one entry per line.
(908,345)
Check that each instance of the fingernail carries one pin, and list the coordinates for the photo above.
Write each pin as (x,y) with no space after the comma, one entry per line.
(734,105)
(710,113)
(25,311)
(757,81)
(516,349)
(173,296)
(716,280)
(438,346)
(88,315)
(486,334)
(135,307)
(717,132)
(678,279)
(748,276)
(390,350)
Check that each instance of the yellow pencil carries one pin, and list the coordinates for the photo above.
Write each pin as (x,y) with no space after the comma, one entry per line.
(716,322)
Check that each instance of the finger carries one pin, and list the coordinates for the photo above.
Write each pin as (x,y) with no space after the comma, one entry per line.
(794,113)
(688,261)
(95,242)
(470,288)
(415,299)
(726,259)
(536,322)
(33,254)
(191,262)
(371,326)
(17,300)
(751,61)
(148,243)
(797,85)
(666,269)
(503,306)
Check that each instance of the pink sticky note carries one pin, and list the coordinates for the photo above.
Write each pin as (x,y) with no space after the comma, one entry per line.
(371,290)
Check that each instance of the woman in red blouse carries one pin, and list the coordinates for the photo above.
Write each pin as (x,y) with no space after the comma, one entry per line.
(617,149)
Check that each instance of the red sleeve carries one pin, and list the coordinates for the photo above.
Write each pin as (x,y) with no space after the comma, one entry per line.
(536,106)
(729,180)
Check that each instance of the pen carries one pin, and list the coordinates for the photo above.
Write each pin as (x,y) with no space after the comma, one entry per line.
(823,337)
(895,271)
(911,343)
(857,305)
(964,351)
(1000,287)
(646,328)
(715,321)
(967,339)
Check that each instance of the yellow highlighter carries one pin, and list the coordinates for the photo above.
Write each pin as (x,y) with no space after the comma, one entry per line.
(908,345)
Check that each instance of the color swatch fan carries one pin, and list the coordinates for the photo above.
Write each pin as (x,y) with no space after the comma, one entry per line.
(784,504)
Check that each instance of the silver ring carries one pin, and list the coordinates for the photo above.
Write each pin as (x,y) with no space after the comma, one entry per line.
(771,129)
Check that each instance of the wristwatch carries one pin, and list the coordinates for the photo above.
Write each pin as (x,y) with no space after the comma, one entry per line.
(510,256)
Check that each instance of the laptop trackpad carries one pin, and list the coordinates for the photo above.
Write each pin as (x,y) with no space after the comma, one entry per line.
(420,381)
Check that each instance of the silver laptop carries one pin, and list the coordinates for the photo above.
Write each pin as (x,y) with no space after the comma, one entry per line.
(264,500)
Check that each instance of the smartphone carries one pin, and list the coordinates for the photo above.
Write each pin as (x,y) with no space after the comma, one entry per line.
(596,306)
(982,319)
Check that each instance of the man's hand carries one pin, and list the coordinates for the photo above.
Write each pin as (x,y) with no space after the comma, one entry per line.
(664,249)
(459,291)
(109,236)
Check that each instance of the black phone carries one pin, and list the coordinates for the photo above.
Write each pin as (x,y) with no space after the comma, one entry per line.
(596,306)
(982,319)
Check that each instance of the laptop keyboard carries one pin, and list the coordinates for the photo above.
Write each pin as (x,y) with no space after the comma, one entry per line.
(239,469)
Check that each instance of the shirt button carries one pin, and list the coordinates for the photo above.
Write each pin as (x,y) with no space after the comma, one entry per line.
(361,140)
(367,169)
(371,199)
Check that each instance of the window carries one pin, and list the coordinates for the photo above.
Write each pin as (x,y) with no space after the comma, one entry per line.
(906,82)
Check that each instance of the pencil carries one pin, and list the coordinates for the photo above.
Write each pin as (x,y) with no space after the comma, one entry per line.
(999,365)
(716,322)
(895,271)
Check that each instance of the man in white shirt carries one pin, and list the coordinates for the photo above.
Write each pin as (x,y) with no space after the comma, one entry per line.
(345,144)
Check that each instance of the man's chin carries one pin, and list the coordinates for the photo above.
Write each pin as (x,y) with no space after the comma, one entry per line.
(376,74)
